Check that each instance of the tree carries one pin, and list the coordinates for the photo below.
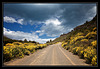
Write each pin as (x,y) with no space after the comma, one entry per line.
(47,42)
(50,40)
(29,41)
(25,40)
(20,41)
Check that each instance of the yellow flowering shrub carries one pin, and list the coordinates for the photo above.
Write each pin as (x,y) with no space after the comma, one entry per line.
(94,61)
(30,48)
(7,55)
(9,44)
(89,53)
(84,40)
(17,52)
(77,50)
(17,43)
(83,44)
(26,44)
(79,34)
(77,42)
(76,38)
(67,47)
(94,43)
(26,52)
(18,49)
(19,55)
(81,54)
(95,28)
(70,48)
(40,46)
(64,44)
(74,50)
(91,34)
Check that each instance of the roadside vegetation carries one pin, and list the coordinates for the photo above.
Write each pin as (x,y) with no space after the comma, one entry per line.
(19,50)
(82,41)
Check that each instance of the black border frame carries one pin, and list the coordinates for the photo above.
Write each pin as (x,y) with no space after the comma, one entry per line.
(91,1)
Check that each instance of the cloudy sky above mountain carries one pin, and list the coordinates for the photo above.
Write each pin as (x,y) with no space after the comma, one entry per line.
(44,21)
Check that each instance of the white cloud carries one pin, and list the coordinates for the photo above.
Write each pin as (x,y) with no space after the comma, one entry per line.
(9,19)
(44,40)
(20,21)
(52,27)
(19,35)
(41,32)
(91,13)
(13,20)
(38,31)
(53,21)
(94,9)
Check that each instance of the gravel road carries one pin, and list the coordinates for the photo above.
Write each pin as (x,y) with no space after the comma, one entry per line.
(53,55)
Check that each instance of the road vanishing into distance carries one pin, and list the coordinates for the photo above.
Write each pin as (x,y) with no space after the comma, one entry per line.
(53,55)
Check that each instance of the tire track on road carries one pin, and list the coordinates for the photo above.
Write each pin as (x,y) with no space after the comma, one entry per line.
(53,57)
(45,51)
(66,56)
(36,60)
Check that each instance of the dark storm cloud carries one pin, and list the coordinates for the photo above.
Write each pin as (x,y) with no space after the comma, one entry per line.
(75,14)
(70,15)
(72,12)
(30,11)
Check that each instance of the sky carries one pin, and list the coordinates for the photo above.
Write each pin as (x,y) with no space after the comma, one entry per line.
(41,22)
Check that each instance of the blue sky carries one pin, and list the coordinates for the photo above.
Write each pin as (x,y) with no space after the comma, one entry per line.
(44,21)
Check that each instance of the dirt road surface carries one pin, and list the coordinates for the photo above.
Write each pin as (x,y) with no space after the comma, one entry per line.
(53,55)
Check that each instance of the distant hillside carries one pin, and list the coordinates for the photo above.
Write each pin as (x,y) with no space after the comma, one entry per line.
(8,40)
(88,26)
